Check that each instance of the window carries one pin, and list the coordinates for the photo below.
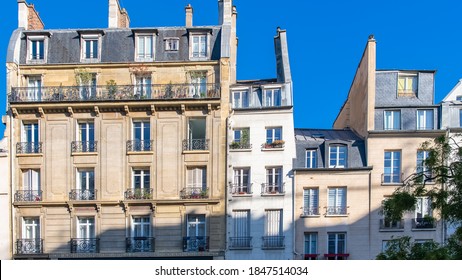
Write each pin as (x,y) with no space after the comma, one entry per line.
(31,190)
(337,156)
(336,246)
(392,167)
(311,158)
(423,214)
(196,233)
(241,180)
(141,240)
(36,49)
(241,139)
(30,243)
(425,119)
(172,44)
(273,234)
(141,135)
(85,137)
(311,245)
(421,166)
(392,120)
(90,48)
(311,202)
(385,245)
(240,99)
(407,85)
(85,185)
(460,118)
(241,229)
(272,97)
(273,134)
(273,180)
(336,203)
(87,85)
(86,236)
(34,88)
(143,87)
(144,47)
(30,138)
(196,135)
(141,178)
(197,180)
(198,86)
(199,46)
(459,98)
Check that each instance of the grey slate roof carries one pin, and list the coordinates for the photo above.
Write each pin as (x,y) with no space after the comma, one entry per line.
(320,139)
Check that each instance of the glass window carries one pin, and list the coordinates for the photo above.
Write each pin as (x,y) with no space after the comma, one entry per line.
(240,99)
(425,119)
(197,178)
(311,201)
(241,228)
(392,167)
(337,201)
(141,178)
(272,97)
(423,207)
(311,243)
(337,156)
(143,87)
(31,228)
(311,158)
(336,245)
(141,130)
(90,48)
(421,166)
(141,226)
(273,134)
(460,118)
(407,85)
(273,235)
(172,44)
(241,177)
(274,176)
(144,47)
(199,46)
(392,120)
(86,227)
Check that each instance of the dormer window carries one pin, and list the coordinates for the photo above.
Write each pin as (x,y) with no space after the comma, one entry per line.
(337,156)
(172,44)
(272,97)
(199,46)
(144,47)
(90,47)
(407,85)
(36,48)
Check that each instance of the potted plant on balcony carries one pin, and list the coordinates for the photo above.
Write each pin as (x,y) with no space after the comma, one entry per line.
(203,194)
(234,145)
(428,222)
(111,87)
(277,144)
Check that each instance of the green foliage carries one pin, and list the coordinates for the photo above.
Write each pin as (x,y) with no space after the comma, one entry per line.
(83,77)
(402,248)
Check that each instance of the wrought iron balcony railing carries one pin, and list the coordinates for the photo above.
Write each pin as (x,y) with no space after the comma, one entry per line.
(29,148)
(272,188)
(240,242)
(84,245)
(240,146)
(140,244)
(310,211)
(139,145)
(270,242)
(77,194)
(386,224)
(28,195)
(195,144)
(392,178)
(336,210)
(195,243)
(138,193)
(237,189)
(194,193)
(84,146)
(114,92)
(424,223)
(333,256)
(29,246)
(277,144)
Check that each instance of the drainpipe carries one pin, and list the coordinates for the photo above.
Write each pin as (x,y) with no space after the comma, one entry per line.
(11,152)
(294,186)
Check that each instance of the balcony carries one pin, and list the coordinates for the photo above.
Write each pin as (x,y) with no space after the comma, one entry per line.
(386,224)
(237,189)
(139,145)
(310,211)
(195,244)
(336,210)
(240,146)
(272,242)
(196,145)
(310,256)
(29,246)
(194,193)
(82,194)
(336,256)
(84,245)
(392,178)
(84,146)
(114,93)
(140,244)
(424,223)
(276,144)
(28,196)
(240,242)
(268,189)
(29,148)
(138,194)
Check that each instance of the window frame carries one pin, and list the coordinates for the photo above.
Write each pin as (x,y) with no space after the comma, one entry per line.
(308,209)
(86,38)
(240,98)
(168,45)
(308,249)
(144,177)
(425,119)
(392,166)
(200,55)
(273,137)
(336,150)
(42,58)
(273,95)
(146,57)
(405,91)
(311,158)
(339,200)
(336,244)
(390,125)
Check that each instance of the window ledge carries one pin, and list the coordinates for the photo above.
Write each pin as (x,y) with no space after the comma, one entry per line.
(196,152)
(240,150)
(391,230)
(272,149)
(392,184)
(84,153)
(423,229)
(240,248)
(242,194)
(336,215)
(273,248)
(30,155)
(140,152)
(310,216)
(272,194)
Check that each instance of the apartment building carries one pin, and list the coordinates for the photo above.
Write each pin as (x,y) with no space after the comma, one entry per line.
(259,169)
(394,111)
(332,185)
(5,197)
(118,137)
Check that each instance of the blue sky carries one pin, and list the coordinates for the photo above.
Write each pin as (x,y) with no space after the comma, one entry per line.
(326,40)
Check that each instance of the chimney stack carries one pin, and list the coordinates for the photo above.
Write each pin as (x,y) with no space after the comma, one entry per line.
(189,15)
(282,57)
(118,17)
(28,17)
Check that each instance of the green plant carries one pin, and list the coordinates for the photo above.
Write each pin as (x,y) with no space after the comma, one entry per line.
(235,145)
(111,87)
(83,77)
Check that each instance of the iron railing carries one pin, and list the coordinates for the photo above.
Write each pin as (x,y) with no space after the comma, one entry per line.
(310,211)
(195,144)
(269,242)
(392,178)
(140,244)
(114,92)
(77,194)
(195,243)
(138,193)
(240,242)
(240,146)
(139,145)
(29,148)
(29,246)
(334,256)
(28,195)
(84,146)
(336,210)
(278,144)
(237,189)
(84,245)
(272,188)
(424,223)
(391,225)
(194,193)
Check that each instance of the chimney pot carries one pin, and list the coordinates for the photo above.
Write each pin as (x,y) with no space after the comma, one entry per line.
(189,15)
